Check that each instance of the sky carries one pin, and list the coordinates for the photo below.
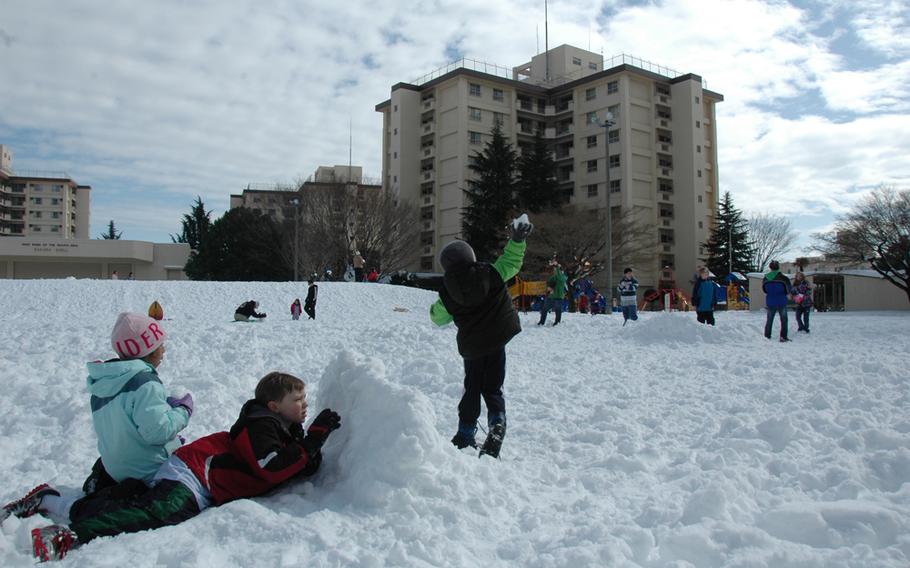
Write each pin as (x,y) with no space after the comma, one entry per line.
(154,103)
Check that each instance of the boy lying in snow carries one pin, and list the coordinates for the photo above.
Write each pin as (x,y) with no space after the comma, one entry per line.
(266,447)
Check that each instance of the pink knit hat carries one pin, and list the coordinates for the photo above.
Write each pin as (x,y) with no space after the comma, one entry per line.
(136,335)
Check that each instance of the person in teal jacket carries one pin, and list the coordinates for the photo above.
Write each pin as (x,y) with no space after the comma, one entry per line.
(135,420)
(474,295)
(556,294)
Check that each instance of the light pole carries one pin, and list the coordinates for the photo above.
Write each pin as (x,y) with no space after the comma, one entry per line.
(296,203)
(607,125)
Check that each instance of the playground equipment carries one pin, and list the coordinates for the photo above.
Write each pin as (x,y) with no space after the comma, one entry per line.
(734,294)
(524,292)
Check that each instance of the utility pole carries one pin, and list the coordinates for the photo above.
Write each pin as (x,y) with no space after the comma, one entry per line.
(296,203)
(607,125)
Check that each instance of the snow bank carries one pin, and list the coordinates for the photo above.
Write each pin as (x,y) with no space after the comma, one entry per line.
(661,443)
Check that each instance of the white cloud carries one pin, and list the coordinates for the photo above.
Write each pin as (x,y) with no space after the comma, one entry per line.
(156,102)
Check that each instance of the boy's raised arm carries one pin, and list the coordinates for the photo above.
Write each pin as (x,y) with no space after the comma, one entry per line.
(439,314)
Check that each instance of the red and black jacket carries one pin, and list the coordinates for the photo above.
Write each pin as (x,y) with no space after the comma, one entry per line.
(258,454)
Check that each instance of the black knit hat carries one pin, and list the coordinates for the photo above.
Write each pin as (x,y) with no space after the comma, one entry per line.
(774,265)
(456,253)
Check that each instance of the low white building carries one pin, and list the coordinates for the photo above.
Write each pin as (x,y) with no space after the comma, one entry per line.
(44,257)
(841,290)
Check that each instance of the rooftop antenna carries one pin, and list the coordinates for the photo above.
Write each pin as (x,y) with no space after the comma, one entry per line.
(589,36)
(546,41)
(350,148)
(537,36)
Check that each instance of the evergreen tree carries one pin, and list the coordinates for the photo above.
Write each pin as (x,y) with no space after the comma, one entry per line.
(241,245)
(195,226)
(536,189)
(112,233)
(729,233)
(490,196)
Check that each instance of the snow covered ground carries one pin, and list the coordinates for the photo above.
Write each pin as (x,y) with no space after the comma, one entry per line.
(661,444)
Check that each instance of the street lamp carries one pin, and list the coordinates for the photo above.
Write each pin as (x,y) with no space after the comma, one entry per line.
(607,125)
(296,203)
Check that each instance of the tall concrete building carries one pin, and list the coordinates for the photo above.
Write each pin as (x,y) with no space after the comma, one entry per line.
(41,203)
(662,148)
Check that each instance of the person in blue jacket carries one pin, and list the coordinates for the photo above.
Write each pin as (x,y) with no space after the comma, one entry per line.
(704,297)
(777,291)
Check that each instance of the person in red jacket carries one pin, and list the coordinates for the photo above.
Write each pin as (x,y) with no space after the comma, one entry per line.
(296,309)
(266,447)
(373,276)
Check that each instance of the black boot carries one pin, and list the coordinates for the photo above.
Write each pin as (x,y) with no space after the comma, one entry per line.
(493,443)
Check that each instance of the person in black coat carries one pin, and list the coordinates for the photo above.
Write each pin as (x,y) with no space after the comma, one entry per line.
(309,305)
(247,310)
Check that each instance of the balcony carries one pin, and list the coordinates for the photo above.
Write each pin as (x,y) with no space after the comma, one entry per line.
(428,200)
(428,175)
(662,98)
(428,127)
(428,151)
(564,154)
(428,104)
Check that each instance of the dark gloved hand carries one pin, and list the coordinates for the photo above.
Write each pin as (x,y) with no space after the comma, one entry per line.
(297,433)
(325,423)
(519,232)
(186,401)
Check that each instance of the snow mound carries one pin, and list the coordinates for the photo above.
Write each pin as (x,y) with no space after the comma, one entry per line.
(681,328)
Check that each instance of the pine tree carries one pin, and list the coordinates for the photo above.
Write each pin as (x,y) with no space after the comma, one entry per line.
(536,189)
(195,225)
(112,233)
(490,196)
(729,232)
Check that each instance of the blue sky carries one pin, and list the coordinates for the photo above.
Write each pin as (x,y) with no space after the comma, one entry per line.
(154,103)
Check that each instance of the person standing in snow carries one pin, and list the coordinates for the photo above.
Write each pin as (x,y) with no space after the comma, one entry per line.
(777,291)
(309,305)
(296,310)
(358,263)
(114,275)
(247,310)
(266,447)
(474,295)
(704,297)
(556,294)
(802,295)
(135,420)
(628,296)
(373,276)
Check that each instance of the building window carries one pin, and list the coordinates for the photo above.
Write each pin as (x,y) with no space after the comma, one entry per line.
(499,118)
(36,214)
(55,229)
(592,66)
(699,224)
(614,136)
(394,155)
(592,141)
(55,214)
(614,110)
(474,137)
(475,113)
(591,94)
(591,118)
(612,87)
(576,61)
(497,95)
(614,161)
(395,131)
(615,185)
(592,166)
(698,148)
(592,190)
(394,179)
(699,198)
(58,188)
(699,173)
(37,187)
(35,200)
(697,100)
(396,108)
(474,89)
(697,124)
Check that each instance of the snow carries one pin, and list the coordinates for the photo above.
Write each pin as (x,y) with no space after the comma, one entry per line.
(520,220)
(661,444)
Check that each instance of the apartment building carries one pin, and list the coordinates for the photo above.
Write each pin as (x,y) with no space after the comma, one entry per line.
(662,147)
(41,203)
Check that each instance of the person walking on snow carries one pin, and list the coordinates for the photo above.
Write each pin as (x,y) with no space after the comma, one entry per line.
(704,297)
(556,293)
(296,310)
(358,263)
(474,295)
(802,295)
(628,296)
(777,291)
(309,305)
(266,447)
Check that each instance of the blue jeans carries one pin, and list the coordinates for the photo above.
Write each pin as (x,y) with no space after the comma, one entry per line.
(630,312)
(550,303)
(769,322)
(802,317)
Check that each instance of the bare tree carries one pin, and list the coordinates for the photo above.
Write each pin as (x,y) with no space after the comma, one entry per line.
(333,220)
(771,235)
(578,238)
(876,231)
